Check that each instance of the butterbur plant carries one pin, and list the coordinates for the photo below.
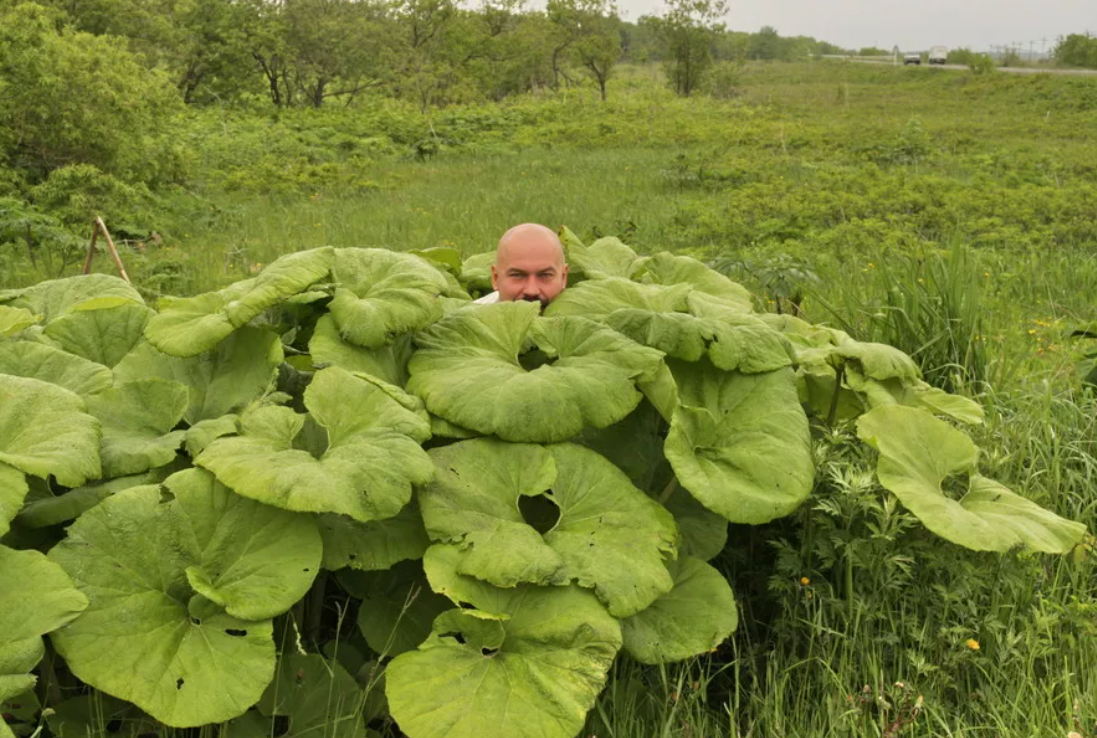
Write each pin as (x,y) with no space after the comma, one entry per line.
(508,499)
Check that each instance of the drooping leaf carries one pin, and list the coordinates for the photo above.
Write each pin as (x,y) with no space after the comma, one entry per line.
(104,335)
(254,560)
(468,370)
(46,430)
(146,636)
(239,370)
(13,490)
(692,619)
(609,535)
(702,533)
(740,442)
(606,257)
(205,432)
(381,294)
(545,662)
(42,513)
(137,420)
(389,363)
(476,272)
(670,269)
(919,452)
(55,297)
(398,606)
(915,393)
(49,364)
(878,360)
(317,695)
(194,325)
(371,460)
(36,597)
(13,320)
(378,544)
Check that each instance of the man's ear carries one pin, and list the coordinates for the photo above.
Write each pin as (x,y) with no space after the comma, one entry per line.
(565,275)
(494,278)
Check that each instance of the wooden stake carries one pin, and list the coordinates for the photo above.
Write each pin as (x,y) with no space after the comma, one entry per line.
(97,227)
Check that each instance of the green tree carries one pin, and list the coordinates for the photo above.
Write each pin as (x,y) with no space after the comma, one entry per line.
(688,29)
(766,44)
(588,29)
(1076,50)
(68,97)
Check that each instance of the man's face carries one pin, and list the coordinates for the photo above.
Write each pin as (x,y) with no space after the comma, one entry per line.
(531,270)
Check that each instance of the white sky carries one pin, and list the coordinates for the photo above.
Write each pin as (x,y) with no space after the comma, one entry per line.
(909,24)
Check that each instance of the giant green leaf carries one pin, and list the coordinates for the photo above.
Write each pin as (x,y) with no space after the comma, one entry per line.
(878,360)
(137,419)
(609,536)
(534,674)
(13,320)
(398,606)
(46,430)
(55,297)
(372,457)
(469,370)
(600,298)
(693,618)
(919,454)
(194,325)
(377,544)
(13,490)
(740,443)
(915,393)
(606,257)
(670,269)
(239,370)
(103,335)
(476,272)
(254,560)
(147,636)
(36,597)
(49,364)
(381,294)
(389,363)
(702,534)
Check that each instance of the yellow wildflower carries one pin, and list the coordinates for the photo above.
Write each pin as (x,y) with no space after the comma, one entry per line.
(804,581)
(972,644)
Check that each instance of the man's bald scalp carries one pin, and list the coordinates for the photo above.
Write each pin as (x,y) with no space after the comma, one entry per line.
(526,234)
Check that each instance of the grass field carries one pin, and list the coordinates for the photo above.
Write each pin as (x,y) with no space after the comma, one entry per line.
(947,213)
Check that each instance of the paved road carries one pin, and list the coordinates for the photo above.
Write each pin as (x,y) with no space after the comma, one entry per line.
(1013,70)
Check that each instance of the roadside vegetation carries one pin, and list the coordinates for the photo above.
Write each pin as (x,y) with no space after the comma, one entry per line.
(946,213)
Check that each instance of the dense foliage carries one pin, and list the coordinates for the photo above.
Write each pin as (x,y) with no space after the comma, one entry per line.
(507,500)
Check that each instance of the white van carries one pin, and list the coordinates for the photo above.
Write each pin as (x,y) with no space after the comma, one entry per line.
(938,55)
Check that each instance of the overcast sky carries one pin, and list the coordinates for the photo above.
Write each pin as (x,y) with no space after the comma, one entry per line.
(909,24)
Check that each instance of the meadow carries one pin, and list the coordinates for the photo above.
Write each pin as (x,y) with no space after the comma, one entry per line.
(947,213)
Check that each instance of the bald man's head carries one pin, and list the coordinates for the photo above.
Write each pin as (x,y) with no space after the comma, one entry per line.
(529,265)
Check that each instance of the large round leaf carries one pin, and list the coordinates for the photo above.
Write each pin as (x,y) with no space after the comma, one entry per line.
(389,363)
(49,364)
(13,490)
(193,325)
(147,636)
(469,372)
(533,674)
(372,457)
(605,258)
(103,335)
(36,597)
(381,294)
(46,430)
(254,560)
(55,297)
(919,452)
(692,619)
(740,443)
(671,269)
(137,420)
(239,370)
(609,536)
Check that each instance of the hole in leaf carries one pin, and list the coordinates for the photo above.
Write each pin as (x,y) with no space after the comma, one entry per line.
(352,557)
(114,725)
(195,621)
(955,486)
(489,652)
(179,683)
(455,636)
(236,633)
(539,512)
(535,359)
(305,569)
(166,495)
